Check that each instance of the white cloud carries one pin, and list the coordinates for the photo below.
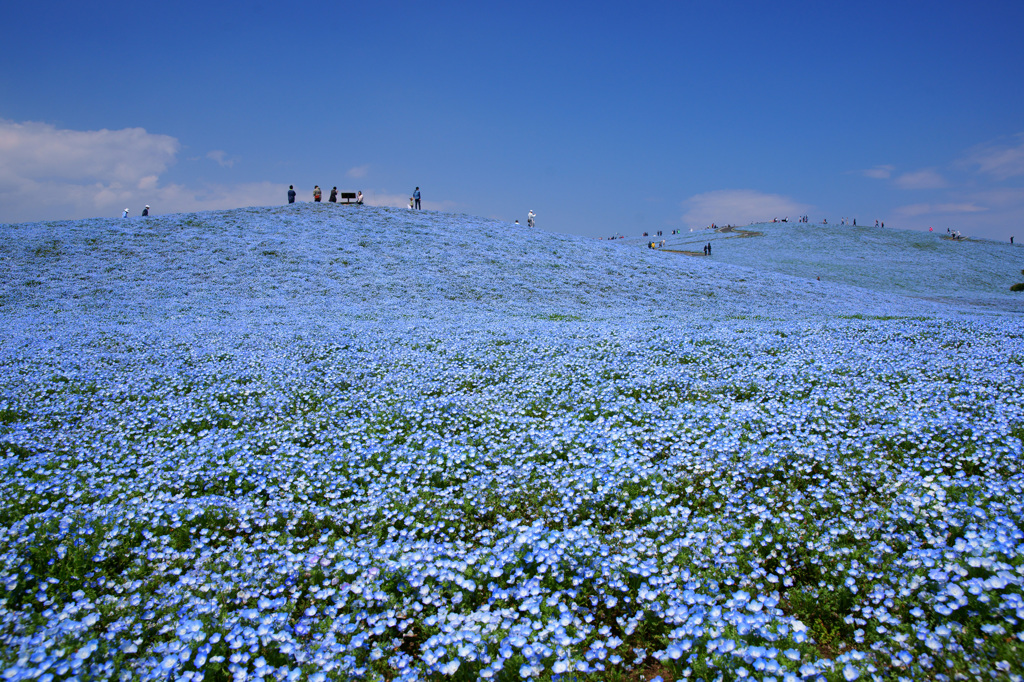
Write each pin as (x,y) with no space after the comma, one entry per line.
(1000,160)
(50,173)
(36,151)
(358,172)
(879,172)
(922,179)
(221,157)
(738,207)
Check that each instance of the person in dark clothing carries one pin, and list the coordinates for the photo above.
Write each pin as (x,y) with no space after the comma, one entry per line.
(291,194)
(416,197)
(145,211)
(334,196)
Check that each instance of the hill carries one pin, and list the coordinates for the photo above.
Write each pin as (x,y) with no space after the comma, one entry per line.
(374,262)
(920,264)
(325,442)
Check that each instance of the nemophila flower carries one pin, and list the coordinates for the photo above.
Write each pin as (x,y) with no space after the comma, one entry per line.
(349,485)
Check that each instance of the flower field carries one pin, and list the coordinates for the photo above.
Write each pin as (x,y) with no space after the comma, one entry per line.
(336,443)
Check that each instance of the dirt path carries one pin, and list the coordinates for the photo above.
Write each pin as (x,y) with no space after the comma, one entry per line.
(735,233)
(685,253)
(729,229)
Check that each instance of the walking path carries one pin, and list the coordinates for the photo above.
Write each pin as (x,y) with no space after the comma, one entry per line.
(735,233)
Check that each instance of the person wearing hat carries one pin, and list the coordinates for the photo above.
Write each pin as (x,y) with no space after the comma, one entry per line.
(125,214)
(145,211)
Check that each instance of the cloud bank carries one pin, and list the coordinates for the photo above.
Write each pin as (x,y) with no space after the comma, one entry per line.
(49,173)
(738,207)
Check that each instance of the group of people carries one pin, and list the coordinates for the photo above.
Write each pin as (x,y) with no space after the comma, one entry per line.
(145,212)
(317,195)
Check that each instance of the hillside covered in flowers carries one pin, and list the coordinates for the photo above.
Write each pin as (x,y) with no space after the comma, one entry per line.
(333,443)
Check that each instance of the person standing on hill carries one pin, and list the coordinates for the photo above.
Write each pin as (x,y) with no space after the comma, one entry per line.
(531,218)
(416,197)
(316,193)
(291,194)
(125,214)
(145,211)
(334,196)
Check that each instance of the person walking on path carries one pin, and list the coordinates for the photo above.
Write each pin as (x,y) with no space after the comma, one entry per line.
(291,194)
(334,196)
(316,193)
(416,197)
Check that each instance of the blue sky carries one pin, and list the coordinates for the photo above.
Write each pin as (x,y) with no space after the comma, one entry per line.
(604,118)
